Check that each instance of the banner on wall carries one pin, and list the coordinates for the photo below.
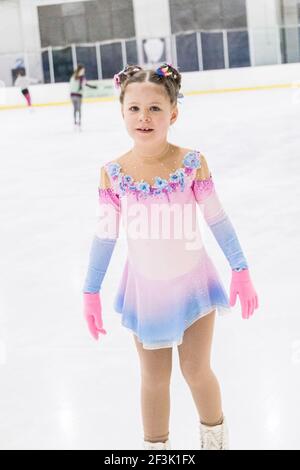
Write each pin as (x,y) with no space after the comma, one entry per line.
(154,51)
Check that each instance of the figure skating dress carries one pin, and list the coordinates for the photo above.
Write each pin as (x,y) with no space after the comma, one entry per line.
(169,281)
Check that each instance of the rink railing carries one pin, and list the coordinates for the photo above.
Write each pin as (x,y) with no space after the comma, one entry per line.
(284,76)
(190,51)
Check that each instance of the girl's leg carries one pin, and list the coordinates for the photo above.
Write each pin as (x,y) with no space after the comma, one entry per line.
(194,358)
(74,110)
(75,103)
(28,98)
(155,366)
(79,109)
(26,94)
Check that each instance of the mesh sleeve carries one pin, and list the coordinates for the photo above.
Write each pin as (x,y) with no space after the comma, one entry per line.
(216,218)
(106,235)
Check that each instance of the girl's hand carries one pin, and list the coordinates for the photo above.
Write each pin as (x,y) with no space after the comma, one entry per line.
(241,284)
(93,313)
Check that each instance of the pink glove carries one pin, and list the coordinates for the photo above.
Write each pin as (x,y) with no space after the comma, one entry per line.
(241,284)
(92,313)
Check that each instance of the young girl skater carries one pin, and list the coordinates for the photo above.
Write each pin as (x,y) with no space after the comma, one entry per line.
(170,289)
(23,81)
(77,82)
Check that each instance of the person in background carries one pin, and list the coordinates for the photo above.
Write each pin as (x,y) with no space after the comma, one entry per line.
(77,83)
(23,81)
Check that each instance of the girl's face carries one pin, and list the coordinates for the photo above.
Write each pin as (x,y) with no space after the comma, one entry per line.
(147,106)
(81,72)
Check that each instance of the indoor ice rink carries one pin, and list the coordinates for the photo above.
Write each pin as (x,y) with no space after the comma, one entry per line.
(60,389)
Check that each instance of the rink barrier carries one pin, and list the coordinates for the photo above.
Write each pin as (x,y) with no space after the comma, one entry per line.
(187,93)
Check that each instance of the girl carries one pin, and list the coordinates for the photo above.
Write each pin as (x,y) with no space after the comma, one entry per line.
(170,289)
(77,82)
(23,82)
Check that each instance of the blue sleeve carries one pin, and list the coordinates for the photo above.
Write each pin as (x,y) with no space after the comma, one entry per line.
(104,241)
(100,254)
(217,219)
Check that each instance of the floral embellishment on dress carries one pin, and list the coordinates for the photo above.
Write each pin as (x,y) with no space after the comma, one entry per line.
(192,160)
(177,176)
(114,169)
(128,179)
(160,183)
(126,183)
(144,187)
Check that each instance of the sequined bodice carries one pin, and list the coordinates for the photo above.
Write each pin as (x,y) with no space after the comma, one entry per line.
(124,183)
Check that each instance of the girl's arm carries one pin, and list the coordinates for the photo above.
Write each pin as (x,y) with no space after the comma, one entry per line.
(224,232)
(83,82)
(102,247)
(106,235)
(91,86)
(216,217)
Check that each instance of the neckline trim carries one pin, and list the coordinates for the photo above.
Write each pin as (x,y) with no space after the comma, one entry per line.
(190,162)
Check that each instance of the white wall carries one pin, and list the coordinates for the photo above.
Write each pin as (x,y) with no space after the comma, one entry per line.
(31,38)
(19,38)
(152,19)
(263,19)
(56,2)
(10,26)
(243,77)
(19,31)
(10,37)
(290,11)
(290,17)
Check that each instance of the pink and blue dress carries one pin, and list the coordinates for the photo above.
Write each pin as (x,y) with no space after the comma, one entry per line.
(169,281)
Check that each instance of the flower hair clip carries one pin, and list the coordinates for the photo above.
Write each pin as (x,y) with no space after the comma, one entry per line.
(166,70)
(124,71)
(117,81)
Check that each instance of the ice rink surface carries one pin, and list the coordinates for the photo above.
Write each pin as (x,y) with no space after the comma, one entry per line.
(60,389)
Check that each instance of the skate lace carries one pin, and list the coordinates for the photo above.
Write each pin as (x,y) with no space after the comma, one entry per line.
(212,439)
(156,445)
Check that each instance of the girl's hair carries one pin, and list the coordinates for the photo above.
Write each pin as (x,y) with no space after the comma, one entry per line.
(165,76)
(77,70)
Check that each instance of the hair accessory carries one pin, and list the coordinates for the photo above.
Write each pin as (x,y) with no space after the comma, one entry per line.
(117,76)
(166,70)
(117,81)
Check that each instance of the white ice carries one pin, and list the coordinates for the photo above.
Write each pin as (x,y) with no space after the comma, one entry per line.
(60,389)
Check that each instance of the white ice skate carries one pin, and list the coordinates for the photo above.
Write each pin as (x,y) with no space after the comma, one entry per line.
(214,437)
(77,127)
(156,445)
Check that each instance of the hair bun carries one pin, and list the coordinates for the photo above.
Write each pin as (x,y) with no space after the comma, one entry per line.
(168,71)
(166,76)
(123,75)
